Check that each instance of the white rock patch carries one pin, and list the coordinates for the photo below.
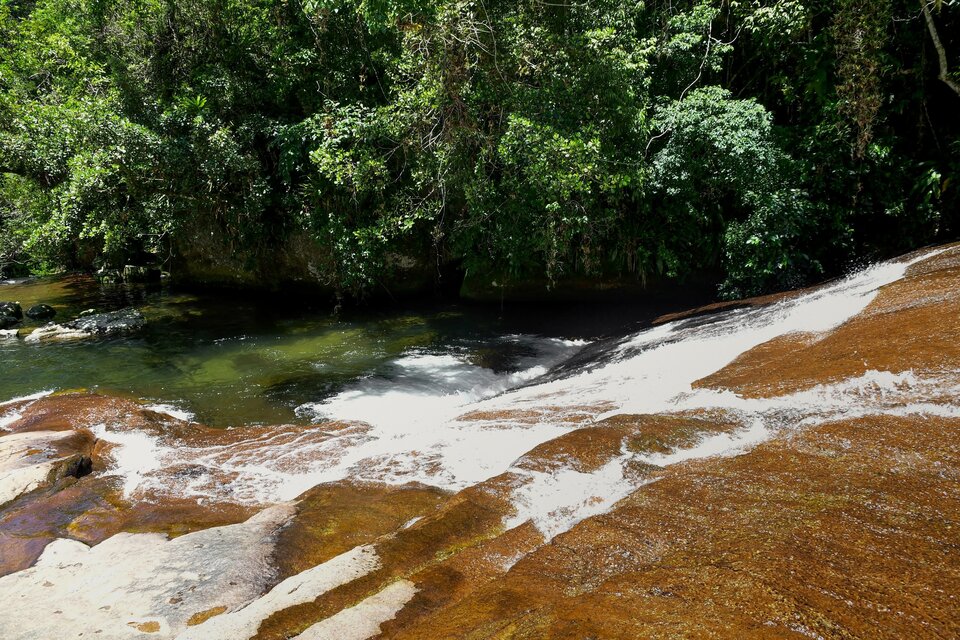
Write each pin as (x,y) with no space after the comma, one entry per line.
(26,461)
(144,580)
(303,587)
(363,620)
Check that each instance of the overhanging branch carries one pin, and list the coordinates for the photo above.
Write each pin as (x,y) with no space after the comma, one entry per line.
(941,52)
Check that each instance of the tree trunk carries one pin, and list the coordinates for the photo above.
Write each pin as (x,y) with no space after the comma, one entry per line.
(941,53)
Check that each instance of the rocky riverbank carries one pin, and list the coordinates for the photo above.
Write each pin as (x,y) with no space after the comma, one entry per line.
(783,470)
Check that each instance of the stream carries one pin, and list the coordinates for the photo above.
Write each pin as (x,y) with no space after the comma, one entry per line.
(228,360)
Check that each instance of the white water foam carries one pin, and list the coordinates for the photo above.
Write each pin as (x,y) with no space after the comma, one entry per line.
(135,454)
(558,499)
(402,444)
(27,398)
(413,427)
(9,417)
(654,369)
(171,410)
(428,389)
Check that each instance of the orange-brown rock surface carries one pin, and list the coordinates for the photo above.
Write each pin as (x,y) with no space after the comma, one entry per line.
(914,324)
(829,524)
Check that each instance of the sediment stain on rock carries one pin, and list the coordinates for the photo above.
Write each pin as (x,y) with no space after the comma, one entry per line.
(843,530)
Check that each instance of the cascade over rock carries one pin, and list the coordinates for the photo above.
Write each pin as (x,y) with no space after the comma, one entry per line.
(786,468)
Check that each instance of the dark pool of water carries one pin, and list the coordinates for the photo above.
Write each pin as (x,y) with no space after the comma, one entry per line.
(240,359)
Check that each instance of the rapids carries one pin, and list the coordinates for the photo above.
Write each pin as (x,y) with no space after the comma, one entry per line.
(440,420)
(238,360)
(454,474)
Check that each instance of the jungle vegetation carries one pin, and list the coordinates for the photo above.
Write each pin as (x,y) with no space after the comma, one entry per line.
(771,142)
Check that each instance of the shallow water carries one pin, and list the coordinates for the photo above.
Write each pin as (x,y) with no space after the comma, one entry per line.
(230,360)
(437,412)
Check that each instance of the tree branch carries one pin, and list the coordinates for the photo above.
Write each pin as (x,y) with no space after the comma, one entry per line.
(941,52)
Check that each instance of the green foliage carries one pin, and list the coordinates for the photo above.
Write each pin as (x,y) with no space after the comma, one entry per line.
(719,164)
(771,141)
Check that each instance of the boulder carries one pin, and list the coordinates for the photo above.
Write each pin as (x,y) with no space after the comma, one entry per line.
(11,309)
(96,325)
(8,321)
(108,324)
(51,332)
(41,312)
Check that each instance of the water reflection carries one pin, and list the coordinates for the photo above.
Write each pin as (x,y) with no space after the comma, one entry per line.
(237,359)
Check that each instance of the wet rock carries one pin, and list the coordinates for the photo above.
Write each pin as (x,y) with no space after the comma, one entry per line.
(189,471)
(75,467)
(8,321)
(95,325)
(110,323)
(11,309)
(41,312)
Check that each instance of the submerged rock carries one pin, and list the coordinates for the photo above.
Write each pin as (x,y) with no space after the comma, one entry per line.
(41,312)
(94,325)
(11,309)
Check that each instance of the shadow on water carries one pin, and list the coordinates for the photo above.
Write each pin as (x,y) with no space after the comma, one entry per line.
(235,359)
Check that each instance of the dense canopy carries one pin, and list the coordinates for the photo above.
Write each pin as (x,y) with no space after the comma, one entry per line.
(763,143)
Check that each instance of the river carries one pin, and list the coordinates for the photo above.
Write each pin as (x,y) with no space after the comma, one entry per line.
(436,471)
(225,359)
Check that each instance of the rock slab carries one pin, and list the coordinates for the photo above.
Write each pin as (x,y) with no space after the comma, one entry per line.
(97,325)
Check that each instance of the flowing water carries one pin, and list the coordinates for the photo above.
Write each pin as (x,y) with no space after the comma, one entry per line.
(446,398)
(238,360)
(449,442)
